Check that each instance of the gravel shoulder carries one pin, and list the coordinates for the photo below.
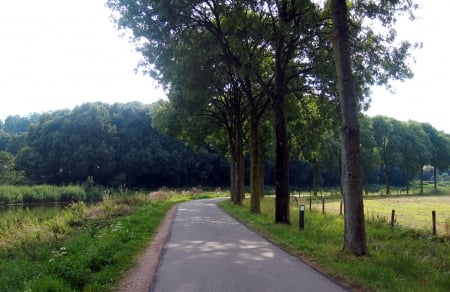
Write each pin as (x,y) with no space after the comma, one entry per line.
(141,276)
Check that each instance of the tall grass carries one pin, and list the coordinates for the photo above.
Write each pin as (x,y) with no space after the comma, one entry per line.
(401,259)
(83,248)
(40,194)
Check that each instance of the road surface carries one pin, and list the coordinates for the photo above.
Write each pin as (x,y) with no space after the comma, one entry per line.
(207,250)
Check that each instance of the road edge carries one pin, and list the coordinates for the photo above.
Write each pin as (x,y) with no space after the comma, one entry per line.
(140,277)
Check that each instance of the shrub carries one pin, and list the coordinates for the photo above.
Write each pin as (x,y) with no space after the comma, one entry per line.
(159,196)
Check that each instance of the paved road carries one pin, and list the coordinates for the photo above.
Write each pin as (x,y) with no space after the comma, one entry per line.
(209,251)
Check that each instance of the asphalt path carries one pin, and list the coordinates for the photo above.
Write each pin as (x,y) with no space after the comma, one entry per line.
(207,250)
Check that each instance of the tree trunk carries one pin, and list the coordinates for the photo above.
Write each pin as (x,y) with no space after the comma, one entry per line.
(255,166)
(239,169)
(237,173)
(407,182)
(315,174)
(232,182)
(435,177)
(366,182)
(421,179)
(354,229)
(388,182)
(282,214)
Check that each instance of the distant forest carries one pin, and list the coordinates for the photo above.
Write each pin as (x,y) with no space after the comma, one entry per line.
(120,145)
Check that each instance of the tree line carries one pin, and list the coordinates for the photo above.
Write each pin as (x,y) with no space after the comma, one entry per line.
(123,144)
(114,145)
(235,69)
(232,62)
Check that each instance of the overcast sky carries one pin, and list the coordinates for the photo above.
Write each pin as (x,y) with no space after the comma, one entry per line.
(57,54)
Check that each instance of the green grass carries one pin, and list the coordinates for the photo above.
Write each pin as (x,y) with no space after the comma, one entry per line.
(40,194)
(400,259)
(410,211)
(90,250)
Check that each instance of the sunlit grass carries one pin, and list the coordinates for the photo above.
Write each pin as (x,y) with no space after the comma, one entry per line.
(84,248)
(410,211)
(400,259)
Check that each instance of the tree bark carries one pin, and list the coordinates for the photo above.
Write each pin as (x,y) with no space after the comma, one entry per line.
(239,170)
(435,177)
(237,177)
(421,179)
(315,172)
(282,214)
(255,165)
(388,182)
(354,230)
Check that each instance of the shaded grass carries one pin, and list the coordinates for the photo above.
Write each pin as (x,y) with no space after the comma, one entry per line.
(401,259)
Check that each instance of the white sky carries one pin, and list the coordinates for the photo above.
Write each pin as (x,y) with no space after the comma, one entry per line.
(425,98)
(57,54)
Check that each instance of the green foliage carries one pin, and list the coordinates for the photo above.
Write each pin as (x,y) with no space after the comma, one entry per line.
(113,145)
(401,259)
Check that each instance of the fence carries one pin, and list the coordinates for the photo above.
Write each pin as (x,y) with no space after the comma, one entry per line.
(430,213)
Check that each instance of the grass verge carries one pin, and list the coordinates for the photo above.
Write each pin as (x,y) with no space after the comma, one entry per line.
(401,259)
(93,252)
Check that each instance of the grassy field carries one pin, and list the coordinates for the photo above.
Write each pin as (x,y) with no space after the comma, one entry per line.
(401,259)
(410,211)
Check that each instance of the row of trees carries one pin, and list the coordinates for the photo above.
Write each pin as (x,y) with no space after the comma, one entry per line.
(113,144)
(229,60)
(393,152)
(250,54)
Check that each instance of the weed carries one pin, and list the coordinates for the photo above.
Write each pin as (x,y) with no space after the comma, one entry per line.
(447,226)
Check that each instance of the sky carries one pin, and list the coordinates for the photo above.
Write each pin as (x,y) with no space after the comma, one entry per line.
(56,54)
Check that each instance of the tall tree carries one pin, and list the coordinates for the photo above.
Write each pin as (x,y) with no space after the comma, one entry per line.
(387,145)
(313,132)
(370,158)
(440,151)
(354,231)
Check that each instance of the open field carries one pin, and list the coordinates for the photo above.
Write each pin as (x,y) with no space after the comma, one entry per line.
(410,211)
(401,258)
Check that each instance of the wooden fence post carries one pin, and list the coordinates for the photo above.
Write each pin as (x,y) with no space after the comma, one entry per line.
(323,206)
(340,209)
(433,216)
(392,218)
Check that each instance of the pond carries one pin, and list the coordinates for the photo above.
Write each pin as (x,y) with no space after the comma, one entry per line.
(40,211)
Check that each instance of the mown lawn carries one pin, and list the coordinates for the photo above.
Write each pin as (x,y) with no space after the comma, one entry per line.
(401,259)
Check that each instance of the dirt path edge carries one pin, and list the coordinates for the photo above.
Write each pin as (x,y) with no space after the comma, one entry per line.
(141,276)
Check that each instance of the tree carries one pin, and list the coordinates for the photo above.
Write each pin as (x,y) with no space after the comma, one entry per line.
(414,149)
(6,168)
(440,150)
(277,48)
(354,231)
(370,157)
(313,133)
(387,145)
